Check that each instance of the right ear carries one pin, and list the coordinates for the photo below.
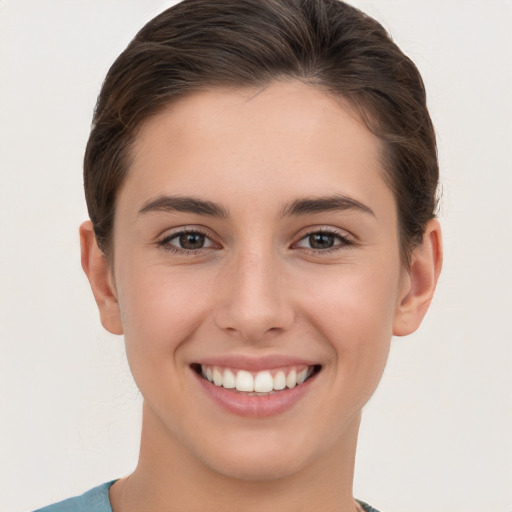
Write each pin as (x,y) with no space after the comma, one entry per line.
(100,278)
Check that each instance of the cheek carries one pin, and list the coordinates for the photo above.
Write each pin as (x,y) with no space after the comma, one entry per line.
(353,310)
(160,311)
(353,300)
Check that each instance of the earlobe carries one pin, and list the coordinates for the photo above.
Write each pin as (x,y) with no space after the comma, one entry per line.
(419,287)
(98,272)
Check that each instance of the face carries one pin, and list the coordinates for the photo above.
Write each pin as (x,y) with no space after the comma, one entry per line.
(256,245)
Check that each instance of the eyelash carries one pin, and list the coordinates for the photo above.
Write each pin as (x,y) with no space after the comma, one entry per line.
(344,242)
(165,242)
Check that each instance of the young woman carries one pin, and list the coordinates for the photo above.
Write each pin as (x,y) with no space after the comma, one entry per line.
(261,181)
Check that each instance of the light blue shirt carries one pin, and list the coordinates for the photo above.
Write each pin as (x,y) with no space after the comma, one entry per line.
(95,500)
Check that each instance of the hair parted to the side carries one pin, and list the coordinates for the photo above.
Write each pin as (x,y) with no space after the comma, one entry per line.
(201,44)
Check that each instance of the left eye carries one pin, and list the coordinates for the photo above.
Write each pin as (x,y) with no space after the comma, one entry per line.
(188,241)
(322,240)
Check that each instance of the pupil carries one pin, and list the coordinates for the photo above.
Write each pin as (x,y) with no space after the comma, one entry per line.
(192,241)
(321,241)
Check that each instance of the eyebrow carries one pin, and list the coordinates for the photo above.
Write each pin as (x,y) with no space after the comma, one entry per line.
(304,206)
(184,204)
(311,205)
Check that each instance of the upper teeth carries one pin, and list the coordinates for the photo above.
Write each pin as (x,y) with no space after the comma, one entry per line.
(259,382)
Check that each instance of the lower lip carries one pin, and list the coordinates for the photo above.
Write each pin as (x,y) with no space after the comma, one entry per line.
(255,406)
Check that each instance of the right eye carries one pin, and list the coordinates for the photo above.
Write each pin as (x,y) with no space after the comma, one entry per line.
(188,241)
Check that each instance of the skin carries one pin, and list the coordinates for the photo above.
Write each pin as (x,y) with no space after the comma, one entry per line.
(256,288)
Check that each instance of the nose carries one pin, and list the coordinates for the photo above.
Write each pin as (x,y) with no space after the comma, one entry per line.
(253,300)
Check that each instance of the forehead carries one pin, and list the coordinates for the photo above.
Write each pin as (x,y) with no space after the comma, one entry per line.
(287,137)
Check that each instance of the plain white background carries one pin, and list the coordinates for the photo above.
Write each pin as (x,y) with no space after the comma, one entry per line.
(436,435)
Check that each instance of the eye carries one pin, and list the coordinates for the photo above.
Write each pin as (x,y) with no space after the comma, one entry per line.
(186,241)
(324,241)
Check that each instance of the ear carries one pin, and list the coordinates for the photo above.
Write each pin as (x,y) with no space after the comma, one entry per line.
(420,281)
(100,278)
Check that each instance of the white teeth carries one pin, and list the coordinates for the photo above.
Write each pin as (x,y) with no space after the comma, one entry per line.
(263,383)
(279,381)
(301,376)
(217,377)
(259,383)
(229,381)
(291,380)
(244,381)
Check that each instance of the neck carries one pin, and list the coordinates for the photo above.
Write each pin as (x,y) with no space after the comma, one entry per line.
(167,473)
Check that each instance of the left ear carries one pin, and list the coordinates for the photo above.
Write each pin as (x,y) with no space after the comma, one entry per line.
(420,282)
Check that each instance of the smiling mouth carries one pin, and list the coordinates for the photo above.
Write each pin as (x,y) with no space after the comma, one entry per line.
(265,382)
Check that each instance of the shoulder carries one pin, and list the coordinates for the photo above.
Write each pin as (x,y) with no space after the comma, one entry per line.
(95,500)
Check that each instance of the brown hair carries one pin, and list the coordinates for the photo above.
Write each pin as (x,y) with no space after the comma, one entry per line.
(199,44)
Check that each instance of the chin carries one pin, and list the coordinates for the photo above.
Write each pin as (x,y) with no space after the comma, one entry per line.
(252,468)
(257,458)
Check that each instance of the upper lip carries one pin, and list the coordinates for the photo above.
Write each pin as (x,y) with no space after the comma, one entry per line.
(255,363)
